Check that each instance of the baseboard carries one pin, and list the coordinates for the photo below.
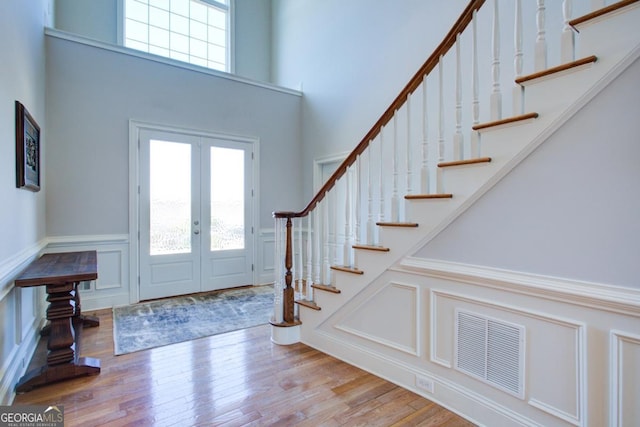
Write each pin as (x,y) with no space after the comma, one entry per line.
(476,407)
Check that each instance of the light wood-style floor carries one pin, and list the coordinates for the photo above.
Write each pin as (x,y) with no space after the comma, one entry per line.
(234,379)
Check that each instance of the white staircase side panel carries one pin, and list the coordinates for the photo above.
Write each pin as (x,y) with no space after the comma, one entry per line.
(556,100)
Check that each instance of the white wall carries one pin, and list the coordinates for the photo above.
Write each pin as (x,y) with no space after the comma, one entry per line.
(93,93)
(569,210)
(98,20)
(95,19)
(352,59)
(22,217)
(253,39)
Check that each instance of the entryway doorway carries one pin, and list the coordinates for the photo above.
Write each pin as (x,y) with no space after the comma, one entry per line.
(196,213)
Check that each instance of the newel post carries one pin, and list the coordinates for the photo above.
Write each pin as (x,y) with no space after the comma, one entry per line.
(285,328)
(288,309)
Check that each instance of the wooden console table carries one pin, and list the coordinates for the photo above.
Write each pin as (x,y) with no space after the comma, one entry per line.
(61,273)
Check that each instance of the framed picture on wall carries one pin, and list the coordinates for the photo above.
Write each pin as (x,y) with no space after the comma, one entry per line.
(27,150)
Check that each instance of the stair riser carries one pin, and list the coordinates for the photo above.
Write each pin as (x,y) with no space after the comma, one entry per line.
(592,42)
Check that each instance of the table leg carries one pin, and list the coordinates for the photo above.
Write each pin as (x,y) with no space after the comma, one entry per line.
(62,359)
(87,321)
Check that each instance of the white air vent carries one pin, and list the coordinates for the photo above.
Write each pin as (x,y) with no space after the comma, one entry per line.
(490,350)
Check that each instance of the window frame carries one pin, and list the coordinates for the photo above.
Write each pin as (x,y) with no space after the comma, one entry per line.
(230,50)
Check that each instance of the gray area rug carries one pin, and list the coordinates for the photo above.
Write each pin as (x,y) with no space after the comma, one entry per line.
(156,323)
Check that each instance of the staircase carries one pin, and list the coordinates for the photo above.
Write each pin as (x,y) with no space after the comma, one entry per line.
(469,116)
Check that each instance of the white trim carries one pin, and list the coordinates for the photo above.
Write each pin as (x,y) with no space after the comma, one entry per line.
(413,351)
(11,267)
(98,239)
(319,162)
(616,373)
(63,35)
(594,295)
(16,364)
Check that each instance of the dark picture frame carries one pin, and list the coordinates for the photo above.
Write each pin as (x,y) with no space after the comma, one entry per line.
(27,150)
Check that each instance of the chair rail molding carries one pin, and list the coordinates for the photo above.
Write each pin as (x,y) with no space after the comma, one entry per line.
(599,296)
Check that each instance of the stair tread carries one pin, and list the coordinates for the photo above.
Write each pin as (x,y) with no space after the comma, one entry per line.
(600,12)
(563,67)
(465,162)
(397,224)
(371,248)
(346,269)
(328,288)
(428,196)
(309,304)
(506,121)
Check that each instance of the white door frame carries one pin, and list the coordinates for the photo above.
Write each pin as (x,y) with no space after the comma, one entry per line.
(319,162)
(135,127)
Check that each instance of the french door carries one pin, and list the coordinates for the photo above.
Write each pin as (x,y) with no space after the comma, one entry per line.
(196,213)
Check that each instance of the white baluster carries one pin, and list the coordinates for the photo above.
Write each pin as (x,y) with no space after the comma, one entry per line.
(317,239)
(458,139)
(496,95)
(278,288)
(348,243)
(540,60)
(439,177)
(371,239)
(381,214)
(518,91)
(567,41)
(358,208)
(395,201)
(409,150)
(326,266)
(424,169)
(309,281)
(300,271)
(334,218)
(475,89)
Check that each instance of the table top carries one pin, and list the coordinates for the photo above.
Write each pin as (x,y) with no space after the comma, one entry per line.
(59,268)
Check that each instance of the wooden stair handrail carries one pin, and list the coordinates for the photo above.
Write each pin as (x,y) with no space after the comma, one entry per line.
(444,46)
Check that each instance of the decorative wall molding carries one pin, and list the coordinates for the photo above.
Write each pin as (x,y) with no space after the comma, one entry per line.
(266,253)
(112,288)
(368,309)
(63,35)
(587,294)
(579,336)
(622,408)
(27,319)
(12,266)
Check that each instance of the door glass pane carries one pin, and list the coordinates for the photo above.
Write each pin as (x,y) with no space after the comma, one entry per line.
(170,198)
(227,198)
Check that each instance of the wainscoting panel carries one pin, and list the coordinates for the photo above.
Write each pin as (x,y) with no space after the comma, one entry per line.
(110,270)
(579,341)
(266,255)
(21,316)
(112,286)
(554,350)
(399,332)
(625,379)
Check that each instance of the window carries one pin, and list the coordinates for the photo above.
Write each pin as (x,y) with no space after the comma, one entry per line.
(193,31)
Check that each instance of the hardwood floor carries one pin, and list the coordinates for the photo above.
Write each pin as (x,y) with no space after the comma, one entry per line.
(234,379)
